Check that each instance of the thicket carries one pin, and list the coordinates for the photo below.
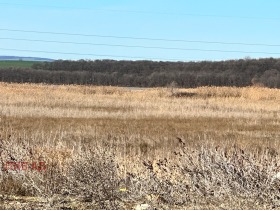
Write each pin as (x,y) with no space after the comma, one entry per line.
(240,73)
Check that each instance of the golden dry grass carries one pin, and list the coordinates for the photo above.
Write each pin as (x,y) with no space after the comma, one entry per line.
(214,113)
(58,120)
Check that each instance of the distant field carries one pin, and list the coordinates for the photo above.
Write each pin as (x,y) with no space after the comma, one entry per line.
(24,64)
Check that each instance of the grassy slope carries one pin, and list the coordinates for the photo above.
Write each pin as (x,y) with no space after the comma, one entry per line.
(24,64)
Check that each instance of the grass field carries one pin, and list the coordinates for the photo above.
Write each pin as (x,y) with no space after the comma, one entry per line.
(116,148)
(21,64)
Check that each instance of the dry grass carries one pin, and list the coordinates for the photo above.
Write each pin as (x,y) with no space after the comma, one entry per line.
(203,148)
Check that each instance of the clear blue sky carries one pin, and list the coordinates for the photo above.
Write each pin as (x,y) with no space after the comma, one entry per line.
(233,21)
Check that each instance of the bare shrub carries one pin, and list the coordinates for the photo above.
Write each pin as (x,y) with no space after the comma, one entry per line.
(29,182)
(93,174)
(213,174)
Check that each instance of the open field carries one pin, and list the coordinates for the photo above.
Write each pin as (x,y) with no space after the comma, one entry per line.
(116,148)
(17,64)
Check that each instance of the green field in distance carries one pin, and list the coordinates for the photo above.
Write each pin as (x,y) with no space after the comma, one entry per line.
(23,64)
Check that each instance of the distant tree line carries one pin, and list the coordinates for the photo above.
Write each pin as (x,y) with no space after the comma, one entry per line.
(242,72)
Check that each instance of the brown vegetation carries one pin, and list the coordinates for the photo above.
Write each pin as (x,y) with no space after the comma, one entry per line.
(116,148)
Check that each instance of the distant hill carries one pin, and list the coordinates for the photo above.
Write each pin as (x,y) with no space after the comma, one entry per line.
(18,58)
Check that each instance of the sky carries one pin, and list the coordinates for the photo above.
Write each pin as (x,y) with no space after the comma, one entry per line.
(162,30)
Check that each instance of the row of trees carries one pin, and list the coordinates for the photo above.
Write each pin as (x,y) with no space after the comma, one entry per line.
(241,72)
